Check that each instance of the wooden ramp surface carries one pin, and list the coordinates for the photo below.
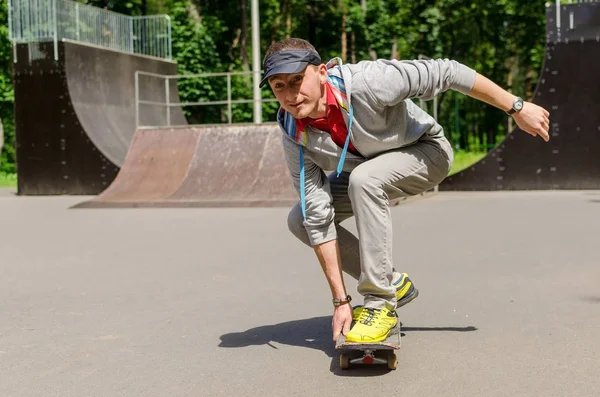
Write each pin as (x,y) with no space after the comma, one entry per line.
(209,166)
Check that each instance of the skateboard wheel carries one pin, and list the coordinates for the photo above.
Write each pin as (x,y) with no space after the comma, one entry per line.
(392,361)
(344,361)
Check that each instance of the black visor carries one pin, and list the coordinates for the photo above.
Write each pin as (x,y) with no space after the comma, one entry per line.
(289,61)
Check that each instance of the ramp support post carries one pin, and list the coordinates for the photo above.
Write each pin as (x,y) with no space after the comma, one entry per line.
(256,63)
(55,30)
(137,100)
(229,116)
(168,101)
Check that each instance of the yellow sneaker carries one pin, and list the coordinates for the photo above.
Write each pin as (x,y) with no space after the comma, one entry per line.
(405,290)
(373,325)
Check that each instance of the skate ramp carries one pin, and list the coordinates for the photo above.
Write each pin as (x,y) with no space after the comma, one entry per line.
(75,117)
(209,166)
(569,88)
(101,85)
(155,167)
(238,166)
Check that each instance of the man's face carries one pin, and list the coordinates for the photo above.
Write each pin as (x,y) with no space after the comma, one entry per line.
(299,93)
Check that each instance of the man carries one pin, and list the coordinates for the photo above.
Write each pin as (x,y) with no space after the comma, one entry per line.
(359,119)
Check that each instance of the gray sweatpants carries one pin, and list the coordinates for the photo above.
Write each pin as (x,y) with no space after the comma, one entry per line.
(365,193)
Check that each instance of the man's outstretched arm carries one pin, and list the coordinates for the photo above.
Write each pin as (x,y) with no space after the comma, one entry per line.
(427,78)
(532,119)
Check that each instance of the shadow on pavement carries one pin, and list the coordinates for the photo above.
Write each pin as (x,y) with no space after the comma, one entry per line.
(591,299)
(314,333)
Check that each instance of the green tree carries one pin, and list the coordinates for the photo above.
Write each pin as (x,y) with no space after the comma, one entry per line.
(195,52)
(7,96)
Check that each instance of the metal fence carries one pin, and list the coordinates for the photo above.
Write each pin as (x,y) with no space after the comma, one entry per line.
(33,21)
(171,81)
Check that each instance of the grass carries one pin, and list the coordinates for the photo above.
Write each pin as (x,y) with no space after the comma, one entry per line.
(463,160)
(8,180)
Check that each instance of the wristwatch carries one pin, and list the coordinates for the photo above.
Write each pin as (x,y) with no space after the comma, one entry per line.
(340,302)
(516,107)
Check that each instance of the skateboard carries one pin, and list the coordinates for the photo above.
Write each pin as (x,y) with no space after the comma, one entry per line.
(370,353)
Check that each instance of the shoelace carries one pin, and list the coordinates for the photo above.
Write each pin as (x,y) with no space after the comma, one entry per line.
(368,315)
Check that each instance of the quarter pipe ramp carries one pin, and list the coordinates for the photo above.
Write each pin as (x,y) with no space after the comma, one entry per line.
(569,88)
(209,166)
(75,117)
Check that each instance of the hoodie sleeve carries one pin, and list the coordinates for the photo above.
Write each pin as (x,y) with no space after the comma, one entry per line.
(319,209)
(391,81)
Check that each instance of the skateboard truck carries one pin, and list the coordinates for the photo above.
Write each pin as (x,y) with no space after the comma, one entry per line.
(368,358)
(370,353)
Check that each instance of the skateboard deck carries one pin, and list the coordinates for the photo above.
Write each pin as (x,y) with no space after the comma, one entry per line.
(370,353)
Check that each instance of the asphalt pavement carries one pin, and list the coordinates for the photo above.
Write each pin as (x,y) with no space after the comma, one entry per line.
(225,302)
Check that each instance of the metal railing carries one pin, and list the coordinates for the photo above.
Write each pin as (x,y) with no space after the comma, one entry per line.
(32,21)
(168,103)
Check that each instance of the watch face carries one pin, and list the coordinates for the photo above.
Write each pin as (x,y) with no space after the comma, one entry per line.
(518,105)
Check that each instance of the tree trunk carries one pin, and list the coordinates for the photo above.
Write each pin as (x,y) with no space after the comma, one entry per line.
(509,82)
(395,47)
(372,53)
(275,26)
(244,36)
(344,36)
(288,22)
(353,42)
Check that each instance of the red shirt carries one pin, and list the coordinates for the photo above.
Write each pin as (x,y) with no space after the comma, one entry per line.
(333,123)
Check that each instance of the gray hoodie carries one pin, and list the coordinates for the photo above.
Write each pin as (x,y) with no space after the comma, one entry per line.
(375,97)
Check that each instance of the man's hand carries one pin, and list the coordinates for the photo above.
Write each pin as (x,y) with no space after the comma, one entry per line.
(533,119)
(342,319)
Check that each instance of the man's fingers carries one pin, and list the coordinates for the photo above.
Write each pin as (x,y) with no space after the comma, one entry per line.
(341,323)
(347,324)
(545,126)
(535,121)
(543,132)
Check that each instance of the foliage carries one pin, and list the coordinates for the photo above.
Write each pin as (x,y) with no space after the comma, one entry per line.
(463,159)
(503,40)
(8,180)
(7,161)
(194,51)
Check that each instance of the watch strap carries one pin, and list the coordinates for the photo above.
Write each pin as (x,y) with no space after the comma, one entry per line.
(339,302)
(514,109)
